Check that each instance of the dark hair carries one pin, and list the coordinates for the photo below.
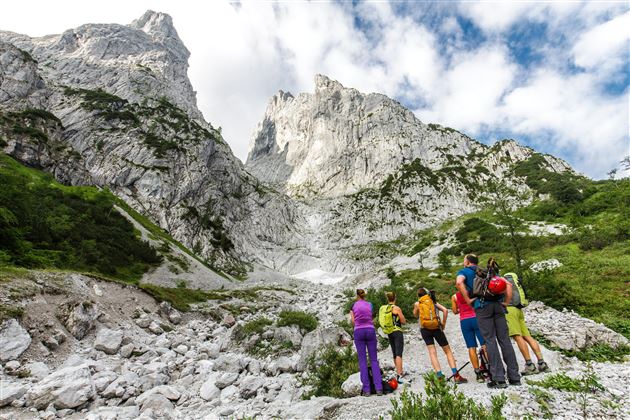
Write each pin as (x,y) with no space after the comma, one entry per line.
(361,293)
(433,296)
(472,258)
(422,291)
(493,265)
(391,296)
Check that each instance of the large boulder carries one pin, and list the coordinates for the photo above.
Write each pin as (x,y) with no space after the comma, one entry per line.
(10,392)
(320,338)
(249,386)
(14,340)
(352,386)
(65,388)
(79,319)
(108,341)
(228,362)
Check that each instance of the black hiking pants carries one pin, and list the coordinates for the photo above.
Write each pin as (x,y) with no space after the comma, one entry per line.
(493,327)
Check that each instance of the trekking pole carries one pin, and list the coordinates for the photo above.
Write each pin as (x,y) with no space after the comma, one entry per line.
(453,375)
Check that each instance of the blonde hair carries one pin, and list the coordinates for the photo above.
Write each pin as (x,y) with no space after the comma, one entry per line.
(360,293)
(391,296)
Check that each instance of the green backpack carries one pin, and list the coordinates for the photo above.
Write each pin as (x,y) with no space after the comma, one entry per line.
(518,294)
(386,319)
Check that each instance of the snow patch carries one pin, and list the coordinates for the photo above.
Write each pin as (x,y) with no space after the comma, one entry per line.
(320,276)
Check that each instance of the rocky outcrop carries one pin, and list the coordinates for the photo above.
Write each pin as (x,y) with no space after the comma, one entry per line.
(14,340)
(569,331)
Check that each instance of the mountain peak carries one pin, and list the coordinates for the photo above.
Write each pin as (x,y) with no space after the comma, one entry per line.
(323,82)
(155,23)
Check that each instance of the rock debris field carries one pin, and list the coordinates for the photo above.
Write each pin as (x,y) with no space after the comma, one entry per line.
(87,349)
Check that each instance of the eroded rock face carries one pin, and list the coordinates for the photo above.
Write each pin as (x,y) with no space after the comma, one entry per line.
(14,340)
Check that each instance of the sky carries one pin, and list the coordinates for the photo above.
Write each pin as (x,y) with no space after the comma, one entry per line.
(552,75)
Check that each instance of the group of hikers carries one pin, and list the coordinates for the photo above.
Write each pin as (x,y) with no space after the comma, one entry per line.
(490,312)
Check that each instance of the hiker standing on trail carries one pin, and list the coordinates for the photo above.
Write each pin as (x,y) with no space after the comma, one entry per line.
(432,330)
(365,338)
(391,318)
(518,329)
(470,331)
(490,313)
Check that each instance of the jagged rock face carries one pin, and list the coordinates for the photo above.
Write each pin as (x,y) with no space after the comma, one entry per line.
(368,171)
(338,141)
(141,61)
(88,120)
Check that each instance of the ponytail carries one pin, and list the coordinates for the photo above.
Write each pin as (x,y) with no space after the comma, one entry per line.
(360,293)
(493,266)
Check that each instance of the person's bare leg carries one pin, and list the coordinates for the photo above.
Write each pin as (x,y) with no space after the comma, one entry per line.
(398,364)
(534,345)
(449,356)
(434,358)
(522,346)
(474,360)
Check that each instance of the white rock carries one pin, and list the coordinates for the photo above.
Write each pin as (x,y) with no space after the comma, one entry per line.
(228,362)
(249,386)
(14,340)
(319,339)
(10,392)
(209,391)
(39,370)
(65,388)
(226,379)
(108,341)
(352,386)
(155,328)
(550,264)
(229,394)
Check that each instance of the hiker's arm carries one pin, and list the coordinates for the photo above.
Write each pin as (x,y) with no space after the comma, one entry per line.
(454,306)
(461,286)
(415,310)
(508,294)
(352,317)
(400,315)
(444,313)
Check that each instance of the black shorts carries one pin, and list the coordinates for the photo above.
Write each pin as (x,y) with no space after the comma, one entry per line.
(429,335)
(397,342)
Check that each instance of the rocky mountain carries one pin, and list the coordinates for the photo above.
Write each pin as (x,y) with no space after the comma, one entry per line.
(343,173)
(111,106)
(369,172)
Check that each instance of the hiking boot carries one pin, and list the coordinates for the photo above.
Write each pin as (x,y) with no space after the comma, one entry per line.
(530,369)
(480,378)
(515,382)
(495,384)
(459,379)
(379,393)
(401,380)
(542,366)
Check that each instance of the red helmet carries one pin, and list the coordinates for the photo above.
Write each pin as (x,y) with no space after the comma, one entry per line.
(393,383)
(497,285)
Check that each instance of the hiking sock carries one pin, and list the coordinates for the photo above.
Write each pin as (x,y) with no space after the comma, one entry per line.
(439,374)
(454,370)
(529,361)
(541,360)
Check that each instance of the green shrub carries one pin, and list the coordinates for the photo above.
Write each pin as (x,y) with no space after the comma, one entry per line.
(257,326)
(328,369)
(44,224)
(10,311)
(304,320)
(443,401)
(588,382)
(180,298)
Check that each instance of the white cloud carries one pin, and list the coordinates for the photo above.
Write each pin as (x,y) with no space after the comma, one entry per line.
(604,45)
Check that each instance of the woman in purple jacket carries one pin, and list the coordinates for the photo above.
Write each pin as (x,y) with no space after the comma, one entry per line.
(365,337)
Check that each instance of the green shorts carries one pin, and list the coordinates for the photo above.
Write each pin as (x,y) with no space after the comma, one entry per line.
(516,322)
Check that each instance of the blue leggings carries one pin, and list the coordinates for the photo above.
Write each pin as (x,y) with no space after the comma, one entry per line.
(470,330)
